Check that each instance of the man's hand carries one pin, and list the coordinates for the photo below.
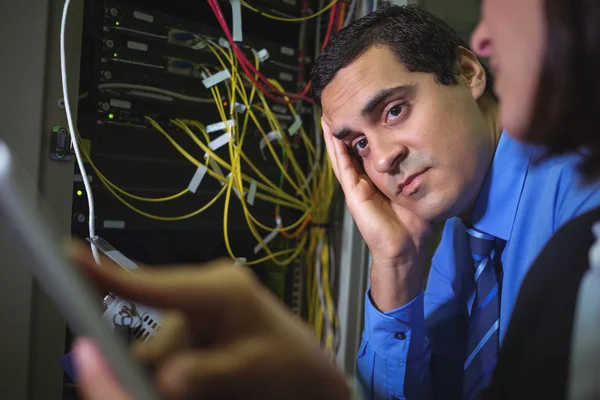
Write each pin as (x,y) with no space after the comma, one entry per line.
(225,337)
(393,234)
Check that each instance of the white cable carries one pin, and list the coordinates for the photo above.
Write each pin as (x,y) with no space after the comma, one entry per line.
(72,131)
(351,9)
(153,89)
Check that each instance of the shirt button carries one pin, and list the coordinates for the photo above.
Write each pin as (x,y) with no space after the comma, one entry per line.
(399,336)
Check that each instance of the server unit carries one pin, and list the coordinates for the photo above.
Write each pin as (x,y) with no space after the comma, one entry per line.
(135,54)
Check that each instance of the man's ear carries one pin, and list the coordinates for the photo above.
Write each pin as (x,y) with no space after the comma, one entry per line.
(472,72)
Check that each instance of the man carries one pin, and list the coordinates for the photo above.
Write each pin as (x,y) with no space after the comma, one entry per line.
(410,125)
(416,111)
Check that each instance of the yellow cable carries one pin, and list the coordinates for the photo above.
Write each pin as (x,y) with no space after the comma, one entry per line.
(123,192)
(287,19)
(288,198)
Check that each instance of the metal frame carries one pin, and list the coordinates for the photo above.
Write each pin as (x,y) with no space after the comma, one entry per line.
(32,337)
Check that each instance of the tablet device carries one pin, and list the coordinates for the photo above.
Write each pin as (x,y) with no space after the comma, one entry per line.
(69,290)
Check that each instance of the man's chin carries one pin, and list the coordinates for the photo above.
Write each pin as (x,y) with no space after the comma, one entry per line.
(433,211)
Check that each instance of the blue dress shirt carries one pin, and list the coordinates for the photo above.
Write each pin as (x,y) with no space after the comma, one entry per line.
(418,351)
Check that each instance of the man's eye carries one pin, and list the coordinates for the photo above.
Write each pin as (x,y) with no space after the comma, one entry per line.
(359,146)
(394,112)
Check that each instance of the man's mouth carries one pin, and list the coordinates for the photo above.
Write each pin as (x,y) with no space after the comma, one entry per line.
(411,183)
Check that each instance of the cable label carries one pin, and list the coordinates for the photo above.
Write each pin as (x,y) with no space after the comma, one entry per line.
(215,167)
(236,14)
(197,178)
(270,137)
(220,126)
(239,108)
(224,43)
(216,78)
(251,192)
(293,129)
(220,141)
(263,55)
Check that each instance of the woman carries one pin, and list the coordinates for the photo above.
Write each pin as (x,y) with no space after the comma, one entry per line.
(545,57)
(544,53)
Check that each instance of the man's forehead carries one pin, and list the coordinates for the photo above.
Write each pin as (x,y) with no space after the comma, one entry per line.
(376,70)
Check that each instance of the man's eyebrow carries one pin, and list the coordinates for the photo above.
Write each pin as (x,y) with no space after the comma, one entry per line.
(383,95)
(342,133)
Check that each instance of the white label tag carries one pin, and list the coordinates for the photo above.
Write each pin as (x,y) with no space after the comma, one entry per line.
(240,261)
(220,141)
(224,43)
(215,167)
(220,126)
(251,192)
(197,178)
(236,16)
(270,137)
(263,55)
(293,129)
(216,78)
(239,108)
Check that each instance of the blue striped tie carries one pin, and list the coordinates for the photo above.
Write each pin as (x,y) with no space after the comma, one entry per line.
(484,310)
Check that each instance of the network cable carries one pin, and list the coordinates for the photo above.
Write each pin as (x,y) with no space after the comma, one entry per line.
(72,131)
(286,19)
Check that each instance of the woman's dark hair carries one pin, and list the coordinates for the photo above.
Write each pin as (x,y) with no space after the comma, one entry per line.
(566,114)
(420,41)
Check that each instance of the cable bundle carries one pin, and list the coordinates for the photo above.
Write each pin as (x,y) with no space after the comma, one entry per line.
(311,190)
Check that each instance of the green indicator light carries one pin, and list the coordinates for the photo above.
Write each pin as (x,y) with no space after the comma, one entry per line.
(79,193)
(117,23)
(115,55)
(111,116)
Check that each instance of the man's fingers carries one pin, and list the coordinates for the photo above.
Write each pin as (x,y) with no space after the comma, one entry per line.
(209,292)
(174,335)
(347,169)
(96,380)
(328,136)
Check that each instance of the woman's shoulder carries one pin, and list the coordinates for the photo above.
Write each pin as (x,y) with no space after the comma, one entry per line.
(575,237)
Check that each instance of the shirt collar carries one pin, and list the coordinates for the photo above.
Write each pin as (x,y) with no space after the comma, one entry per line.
(498,200)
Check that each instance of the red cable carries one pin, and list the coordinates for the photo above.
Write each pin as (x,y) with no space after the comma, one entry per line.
(329,25)
(247,65)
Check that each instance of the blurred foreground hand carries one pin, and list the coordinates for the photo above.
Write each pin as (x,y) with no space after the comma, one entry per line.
(224,337)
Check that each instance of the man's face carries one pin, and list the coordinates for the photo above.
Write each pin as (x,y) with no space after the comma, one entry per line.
(426,146)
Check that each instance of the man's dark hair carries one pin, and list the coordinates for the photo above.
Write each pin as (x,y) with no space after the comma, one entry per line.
(421,41)
(566,114)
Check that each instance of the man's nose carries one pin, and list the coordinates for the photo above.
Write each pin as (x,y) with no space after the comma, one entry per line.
(388,156)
